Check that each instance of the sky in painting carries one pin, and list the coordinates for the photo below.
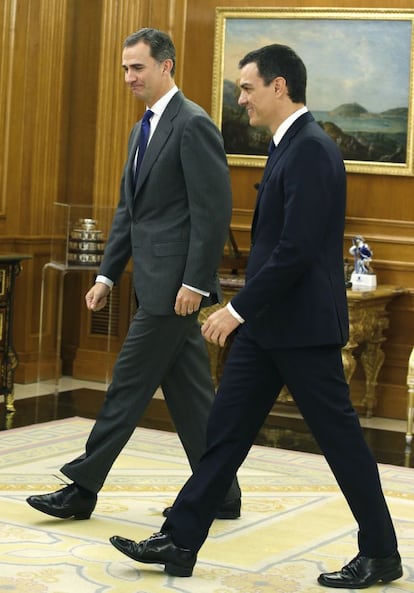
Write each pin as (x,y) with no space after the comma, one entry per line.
(348,61)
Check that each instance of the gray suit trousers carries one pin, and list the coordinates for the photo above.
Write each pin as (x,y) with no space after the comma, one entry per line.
(166,351)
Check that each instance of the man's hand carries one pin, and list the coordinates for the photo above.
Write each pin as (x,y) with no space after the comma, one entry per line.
(96,297)
(187,301)
(218,326)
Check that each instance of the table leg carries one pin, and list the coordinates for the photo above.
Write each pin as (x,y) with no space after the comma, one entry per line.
(410,416)
(9,400)
(348,360)
(372,359)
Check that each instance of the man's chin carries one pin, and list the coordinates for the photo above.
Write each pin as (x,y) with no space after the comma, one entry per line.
(137,93)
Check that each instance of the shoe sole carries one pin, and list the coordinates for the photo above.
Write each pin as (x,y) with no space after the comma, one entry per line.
(397,574)
(228,515)
(177,571)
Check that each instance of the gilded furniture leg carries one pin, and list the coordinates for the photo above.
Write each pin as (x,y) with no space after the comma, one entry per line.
(9,399)
(10,364)
(348,360)
(372,359)
(410,415)
(214,351)
(410,400)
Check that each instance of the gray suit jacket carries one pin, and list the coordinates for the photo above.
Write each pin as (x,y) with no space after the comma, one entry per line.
(175,220)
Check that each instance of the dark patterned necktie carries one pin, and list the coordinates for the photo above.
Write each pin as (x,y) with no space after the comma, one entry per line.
(143,139)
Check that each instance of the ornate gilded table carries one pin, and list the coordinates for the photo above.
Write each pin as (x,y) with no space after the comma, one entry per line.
(10,267)
(368,318)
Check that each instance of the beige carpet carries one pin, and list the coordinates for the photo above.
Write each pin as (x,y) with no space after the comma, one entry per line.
(294,525)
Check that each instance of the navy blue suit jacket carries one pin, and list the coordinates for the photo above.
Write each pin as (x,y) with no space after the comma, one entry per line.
(295,292)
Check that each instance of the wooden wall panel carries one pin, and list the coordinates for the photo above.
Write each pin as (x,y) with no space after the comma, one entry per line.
(7,26)
(30,174)
(32,73)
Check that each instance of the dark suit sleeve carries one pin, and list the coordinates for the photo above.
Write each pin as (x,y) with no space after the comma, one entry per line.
(118,246)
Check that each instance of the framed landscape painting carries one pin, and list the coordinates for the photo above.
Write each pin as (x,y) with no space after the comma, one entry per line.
(360,80)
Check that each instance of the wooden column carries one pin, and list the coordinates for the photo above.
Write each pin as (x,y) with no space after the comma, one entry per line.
(33,71)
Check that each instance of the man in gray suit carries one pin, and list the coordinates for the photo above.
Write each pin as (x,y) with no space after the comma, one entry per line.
(172,218)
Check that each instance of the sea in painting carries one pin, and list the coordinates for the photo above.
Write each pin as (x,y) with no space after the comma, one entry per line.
(360,134)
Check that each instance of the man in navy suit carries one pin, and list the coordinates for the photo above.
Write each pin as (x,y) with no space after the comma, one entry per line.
(172,218)
(291,320)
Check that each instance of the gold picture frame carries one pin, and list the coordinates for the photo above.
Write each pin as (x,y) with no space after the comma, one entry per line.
(360,80)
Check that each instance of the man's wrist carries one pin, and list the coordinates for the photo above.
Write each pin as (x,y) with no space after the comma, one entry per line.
(104,280)
(234,313)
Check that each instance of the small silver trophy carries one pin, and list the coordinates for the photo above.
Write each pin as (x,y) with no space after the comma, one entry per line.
(86,243)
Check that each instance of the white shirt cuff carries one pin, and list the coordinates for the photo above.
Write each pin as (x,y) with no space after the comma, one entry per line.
(232,310)
(104,280)
(197,290)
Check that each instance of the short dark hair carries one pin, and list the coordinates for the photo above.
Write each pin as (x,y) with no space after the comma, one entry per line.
(280,60)
(160,44)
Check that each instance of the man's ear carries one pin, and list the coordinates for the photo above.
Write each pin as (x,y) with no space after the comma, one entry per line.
(279,84)
(167,65)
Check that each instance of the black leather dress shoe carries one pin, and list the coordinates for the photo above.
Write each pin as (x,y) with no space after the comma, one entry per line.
(230,509)
(65,503)
(158,549)
(363,572)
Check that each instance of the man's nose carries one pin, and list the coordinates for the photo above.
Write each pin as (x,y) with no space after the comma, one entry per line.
(129,75)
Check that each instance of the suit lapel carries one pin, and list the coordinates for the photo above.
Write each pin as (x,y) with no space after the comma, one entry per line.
(159,138)
(130,165)
(284,144)
(276,155)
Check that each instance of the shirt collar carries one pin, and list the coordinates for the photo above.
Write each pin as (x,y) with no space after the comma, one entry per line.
(159,106)
(285,125)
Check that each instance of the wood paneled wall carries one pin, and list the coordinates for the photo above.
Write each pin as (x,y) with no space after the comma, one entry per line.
(65,116)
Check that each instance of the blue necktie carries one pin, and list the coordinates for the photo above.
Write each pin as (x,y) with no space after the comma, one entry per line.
(143,139)
(271,147)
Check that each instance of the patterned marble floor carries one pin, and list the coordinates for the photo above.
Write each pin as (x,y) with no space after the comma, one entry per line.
(294,521)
